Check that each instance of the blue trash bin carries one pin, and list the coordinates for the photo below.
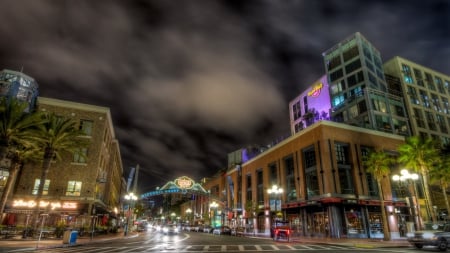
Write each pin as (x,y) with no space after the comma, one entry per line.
(73,237)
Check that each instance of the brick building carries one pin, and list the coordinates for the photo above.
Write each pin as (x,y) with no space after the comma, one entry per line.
(77,190)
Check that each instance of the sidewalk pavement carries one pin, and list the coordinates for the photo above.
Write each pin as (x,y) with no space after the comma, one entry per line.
(354,242)
(58,243)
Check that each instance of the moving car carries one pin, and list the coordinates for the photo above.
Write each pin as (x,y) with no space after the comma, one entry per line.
(439,238)
(170,229)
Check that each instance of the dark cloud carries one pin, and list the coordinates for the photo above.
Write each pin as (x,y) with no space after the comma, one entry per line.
(188,83)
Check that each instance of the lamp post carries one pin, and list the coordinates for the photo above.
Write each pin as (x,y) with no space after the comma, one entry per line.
(188,214)
(214,206)
(410,180)
(275,190)
(130,198)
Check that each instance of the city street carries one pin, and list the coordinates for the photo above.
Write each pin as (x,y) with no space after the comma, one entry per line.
(203,242)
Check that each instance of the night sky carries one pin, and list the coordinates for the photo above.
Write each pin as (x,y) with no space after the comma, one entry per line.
(188,82)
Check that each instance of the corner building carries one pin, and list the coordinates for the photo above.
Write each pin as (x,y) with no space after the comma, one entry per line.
(327,192)
(78,190)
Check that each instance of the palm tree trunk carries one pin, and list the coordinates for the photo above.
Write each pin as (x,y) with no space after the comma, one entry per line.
(14,169)
(48,156)
(444,191)
(428,200)
(386,231)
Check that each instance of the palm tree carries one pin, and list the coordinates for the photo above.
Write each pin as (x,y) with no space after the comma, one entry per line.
(15,145)
(378,164)
(441,174)
(56,136)
(420,155)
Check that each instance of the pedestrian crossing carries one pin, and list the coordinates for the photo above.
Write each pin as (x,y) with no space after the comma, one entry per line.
(199,248)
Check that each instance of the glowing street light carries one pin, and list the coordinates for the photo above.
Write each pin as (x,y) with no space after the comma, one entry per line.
(130,198)
(275,190)
(410,179)
(188,214)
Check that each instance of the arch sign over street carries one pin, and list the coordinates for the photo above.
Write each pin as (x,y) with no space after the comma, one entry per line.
(182,185)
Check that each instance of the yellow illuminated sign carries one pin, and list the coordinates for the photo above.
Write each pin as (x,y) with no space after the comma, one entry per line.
(315,91)
(44,204)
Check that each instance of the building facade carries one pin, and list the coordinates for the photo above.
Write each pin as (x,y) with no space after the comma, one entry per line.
(426,95)
(326,189)
(78,190)
(358,89)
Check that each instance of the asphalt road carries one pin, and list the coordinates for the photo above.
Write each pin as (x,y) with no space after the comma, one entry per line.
(203,242)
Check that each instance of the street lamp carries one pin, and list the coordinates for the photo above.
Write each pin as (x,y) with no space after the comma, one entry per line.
(275,190)
(214,206)
(188,213)
(130,198)
(410,180)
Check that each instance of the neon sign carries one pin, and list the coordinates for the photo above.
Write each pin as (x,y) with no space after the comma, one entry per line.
(184,182)
(42,203)
(315,91)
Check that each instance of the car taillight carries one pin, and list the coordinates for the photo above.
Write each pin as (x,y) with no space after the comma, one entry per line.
(288,231)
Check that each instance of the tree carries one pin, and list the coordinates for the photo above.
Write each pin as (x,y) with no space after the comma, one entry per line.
(420,155)
(378,164)
(441,174)
(15,146)
(56,136)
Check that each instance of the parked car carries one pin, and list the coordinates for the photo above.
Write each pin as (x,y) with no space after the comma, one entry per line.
(207,229)
(237,231)
(439,238)
(225,230)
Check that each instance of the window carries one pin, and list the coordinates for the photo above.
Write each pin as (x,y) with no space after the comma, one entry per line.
(80,156)
(351,53)
(382,123)
(342,151)
(407,74)
(273,180)
(336,88)
(86,126)
(73,188)
(379,105)
(296,110)
(290,179)
(334,62)
(352,66)
(337,100)
(260,187)
(355,79)
(311,178)
(336,75)
(397,110)
(36,187)
(424,97)
(249,187)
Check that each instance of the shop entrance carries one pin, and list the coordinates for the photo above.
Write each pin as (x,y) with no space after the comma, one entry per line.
(318,224)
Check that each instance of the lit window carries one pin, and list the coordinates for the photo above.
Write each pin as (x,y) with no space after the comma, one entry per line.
(36,187)
(73,188)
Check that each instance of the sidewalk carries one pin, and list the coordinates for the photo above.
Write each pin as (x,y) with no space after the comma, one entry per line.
(354,242)
(45,243)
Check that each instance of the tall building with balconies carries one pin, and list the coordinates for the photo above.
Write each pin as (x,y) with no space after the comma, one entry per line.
(358,90)
(18,85)
(426,95)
